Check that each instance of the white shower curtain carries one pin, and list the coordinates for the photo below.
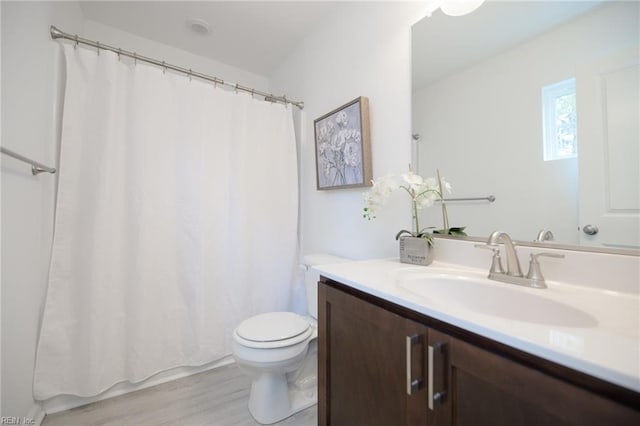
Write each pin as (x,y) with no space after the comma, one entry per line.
(176,219)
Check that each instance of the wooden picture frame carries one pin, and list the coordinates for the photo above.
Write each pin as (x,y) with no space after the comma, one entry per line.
(343,147)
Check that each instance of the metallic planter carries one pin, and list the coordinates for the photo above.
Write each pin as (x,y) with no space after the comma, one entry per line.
(415,251)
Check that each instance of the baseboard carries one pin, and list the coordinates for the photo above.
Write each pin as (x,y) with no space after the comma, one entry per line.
(67,402)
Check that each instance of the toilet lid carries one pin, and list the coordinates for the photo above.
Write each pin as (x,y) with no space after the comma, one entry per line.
(272,326)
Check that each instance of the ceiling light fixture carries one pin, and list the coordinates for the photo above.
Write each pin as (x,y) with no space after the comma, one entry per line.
(453,7)
(199,26)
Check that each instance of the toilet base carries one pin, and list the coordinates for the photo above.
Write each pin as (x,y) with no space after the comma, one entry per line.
(275,397)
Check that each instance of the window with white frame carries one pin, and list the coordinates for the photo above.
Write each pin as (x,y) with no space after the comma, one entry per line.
(559,120)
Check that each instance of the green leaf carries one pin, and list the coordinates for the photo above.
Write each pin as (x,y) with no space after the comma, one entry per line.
(458,231)
(455,231)
(427,236)
(404,231)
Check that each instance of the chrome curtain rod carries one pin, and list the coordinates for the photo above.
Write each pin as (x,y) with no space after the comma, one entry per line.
(489,198)
(56,34)
(36,167)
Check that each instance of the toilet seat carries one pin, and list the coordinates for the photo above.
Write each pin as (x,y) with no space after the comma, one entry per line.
(273,330)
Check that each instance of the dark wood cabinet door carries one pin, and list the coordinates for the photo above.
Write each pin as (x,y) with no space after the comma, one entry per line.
(366,357)
(482,388)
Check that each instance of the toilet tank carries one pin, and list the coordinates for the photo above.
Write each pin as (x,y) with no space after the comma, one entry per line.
(311,278)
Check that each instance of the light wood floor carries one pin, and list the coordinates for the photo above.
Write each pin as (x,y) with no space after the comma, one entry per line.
(215,397)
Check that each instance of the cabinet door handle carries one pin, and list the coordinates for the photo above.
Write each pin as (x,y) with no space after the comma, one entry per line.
(433,394)
(412,384)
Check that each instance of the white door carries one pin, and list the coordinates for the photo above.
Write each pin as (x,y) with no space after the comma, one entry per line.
(607,93)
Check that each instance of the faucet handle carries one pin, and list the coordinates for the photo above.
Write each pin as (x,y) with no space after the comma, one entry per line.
(546,254)
(488,246)
(544,235)
(496,262)
(535,274)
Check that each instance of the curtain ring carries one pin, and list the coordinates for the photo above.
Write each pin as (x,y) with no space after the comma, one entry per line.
(236,88)
(98,47)
(190,74)
(119,51)
(135,59)
(75,46)
(252,92)
(164,67)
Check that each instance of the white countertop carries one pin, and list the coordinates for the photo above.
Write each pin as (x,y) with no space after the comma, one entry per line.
(607,346)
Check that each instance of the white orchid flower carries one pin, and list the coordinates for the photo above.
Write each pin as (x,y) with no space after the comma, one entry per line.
(378,195)
(426,199)
(446,186)
(423,192)
(415,182)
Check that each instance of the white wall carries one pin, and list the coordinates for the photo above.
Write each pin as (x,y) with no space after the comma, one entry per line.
(0,228)
(482,127)
(365,50)
(30,74)
(32,85)
(118,38)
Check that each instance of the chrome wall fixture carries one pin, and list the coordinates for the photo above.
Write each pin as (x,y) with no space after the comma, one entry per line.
(36,167)
(269,97)
(489,198)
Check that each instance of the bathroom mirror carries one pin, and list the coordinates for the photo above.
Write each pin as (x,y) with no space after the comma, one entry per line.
(491,88)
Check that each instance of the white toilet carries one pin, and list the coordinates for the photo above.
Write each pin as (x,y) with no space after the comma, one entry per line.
(278,350)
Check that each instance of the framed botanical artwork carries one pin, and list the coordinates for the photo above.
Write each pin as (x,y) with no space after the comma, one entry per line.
(343,146)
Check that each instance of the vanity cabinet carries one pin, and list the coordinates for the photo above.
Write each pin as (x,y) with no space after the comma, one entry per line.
(362,363)
(377,361)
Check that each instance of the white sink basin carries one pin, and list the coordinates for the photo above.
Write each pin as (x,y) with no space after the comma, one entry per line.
(491,298)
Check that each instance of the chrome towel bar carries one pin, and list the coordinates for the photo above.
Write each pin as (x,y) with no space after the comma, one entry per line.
(36,167)
(489,198)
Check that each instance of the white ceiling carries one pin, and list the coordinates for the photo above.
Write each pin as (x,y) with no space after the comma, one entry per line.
(252,35)
(443,45)
(258,35)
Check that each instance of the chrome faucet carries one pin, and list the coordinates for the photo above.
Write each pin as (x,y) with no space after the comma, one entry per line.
(513,274)
(544,235)
(513,264)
